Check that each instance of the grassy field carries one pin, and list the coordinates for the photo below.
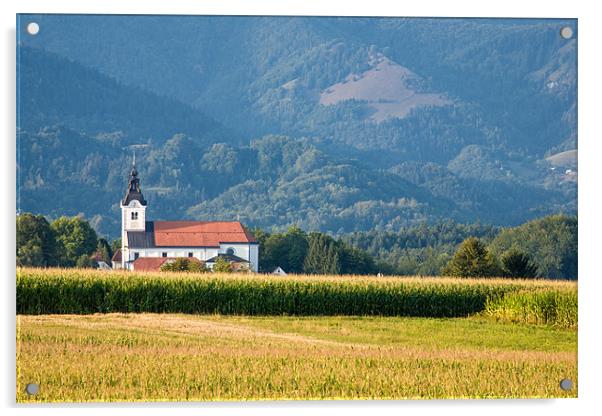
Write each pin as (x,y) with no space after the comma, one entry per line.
(115,336)
(155,357)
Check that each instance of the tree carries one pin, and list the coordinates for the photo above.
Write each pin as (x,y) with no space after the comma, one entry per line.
(518,264)
(355,261)
(296,247)
(222,266)
(286,250)
(31,254)
(472,259)
(75,237)
(85,262)
(197,267)
(115,245)
(183,264)
(551,243)
(332,264)
(36,243)
(103,251)
(322,255)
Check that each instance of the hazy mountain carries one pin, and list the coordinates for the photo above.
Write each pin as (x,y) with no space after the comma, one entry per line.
(389,122)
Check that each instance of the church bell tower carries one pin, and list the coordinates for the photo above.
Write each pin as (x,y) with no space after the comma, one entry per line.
(133,213)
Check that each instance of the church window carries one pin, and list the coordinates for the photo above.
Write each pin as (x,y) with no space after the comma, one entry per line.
(190,254)
(230,251)
(136,255)
(164,254)
(134,215)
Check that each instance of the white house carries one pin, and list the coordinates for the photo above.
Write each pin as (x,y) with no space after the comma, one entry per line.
(203,240)
(279,271)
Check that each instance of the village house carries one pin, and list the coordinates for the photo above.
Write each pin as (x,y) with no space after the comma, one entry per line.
(147,245)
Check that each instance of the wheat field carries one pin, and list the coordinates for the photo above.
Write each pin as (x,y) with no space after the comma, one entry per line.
(177,357)
(87,336)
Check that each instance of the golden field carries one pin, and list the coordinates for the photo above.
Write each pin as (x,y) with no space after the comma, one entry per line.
(172,357)
(87,335)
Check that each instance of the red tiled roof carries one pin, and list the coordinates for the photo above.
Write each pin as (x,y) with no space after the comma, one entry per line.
(148,264)
(200,233)
(117,256)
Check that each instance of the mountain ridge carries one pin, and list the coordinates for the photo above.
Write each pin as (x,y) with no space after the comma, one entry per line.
(242,131)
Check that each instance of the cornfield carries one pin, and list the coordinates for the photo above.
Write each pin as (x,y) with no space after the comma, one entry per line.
(77,291)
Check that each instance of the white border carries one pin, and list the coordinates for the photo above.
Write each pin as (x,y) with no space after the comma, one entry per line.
(590,287)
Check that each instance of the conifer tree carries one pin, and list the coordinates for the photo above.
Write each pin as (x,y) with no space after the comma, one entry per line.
(472,259)
(518,264)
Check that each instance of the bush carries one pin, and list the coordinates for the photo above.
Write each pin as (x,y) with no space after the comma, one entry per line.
(222,266)
(184,264)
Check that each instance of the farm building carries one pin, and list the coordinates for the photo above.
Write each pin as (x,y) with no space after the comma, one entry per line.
(158,241)
(279,271)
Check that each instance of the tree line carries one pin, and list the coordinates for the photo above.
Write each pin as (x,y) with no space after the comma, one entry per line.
(545,247)
(297,251)
(64,242)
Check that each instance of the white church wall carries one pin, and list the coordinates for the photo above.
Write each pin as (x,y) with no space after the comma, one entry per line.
(240,250)
(254,257)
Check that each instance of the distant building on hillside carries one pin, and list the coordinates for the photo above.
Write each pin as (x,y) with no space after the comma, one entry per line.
(162,240)
(279,271)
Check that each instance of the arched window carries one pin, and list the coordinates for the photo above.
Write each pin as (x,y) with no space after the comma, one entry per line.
(134,215)
(230,251)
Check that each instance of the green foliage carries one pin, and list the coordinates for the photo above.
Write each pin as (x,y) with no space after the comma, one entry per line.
(287,250)
(472,259)
(222,266)
(36,244)
(322,255)
(553,307)
(422,249)
(115,245)
(103,250)
(85,262)
(75,291)
(550,242)
(517,264)
(75,237)
(183,264)
(314,253)
(355,261)
(197,267)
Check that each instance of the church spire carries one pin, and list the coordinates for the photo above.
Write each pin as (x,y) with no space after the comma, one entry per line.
(134,192)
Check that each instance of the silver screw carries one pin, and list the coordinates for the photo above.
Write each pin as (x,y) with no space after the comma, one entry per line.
(566,384)
(32,389)
(566,32)
(33,28)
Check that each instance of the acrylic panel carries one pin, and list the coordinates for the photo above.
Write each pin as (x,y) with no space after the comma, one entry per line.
(229,208)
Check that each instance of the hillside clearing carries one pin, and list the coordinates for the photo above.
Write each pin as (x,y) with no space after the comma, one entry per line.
(386,88)
(568,158)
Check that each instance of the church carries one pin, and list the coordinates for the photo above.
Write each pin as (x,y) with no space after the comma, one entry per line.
(147,245)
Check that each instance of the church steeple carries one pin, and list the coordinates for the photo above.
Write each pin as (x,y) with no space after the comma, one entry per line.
(134,193)
(133,215)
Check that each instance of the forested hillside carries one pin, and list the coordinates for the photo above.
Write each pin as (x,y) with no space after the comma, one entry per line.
(332,124)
